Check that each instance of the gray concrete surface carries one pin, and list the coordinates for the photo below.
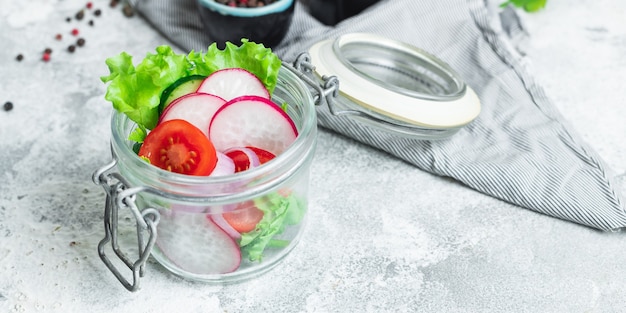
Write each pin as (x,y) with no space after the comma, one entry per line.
(382,236)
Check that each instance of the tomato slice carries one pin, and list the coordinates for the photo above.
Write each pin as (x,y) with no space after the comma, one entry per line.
(245,218)
(263,155)
(240,158)
(180,147)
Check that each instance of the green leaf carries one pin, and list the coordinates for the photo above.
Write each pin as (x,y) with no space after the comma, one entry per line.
(534,6)
(527,5)
(139,134)
(136,90)
(278,212)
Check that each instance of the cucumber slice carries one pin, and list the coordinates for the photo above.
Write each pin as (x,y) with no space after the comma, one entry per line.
(179,88)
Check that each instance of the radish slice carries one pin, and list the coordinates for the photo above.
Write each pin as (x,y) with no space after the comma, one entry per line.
(252,121)
(230,83)
(219,220)
(196,108)
(196,244)
(225,165)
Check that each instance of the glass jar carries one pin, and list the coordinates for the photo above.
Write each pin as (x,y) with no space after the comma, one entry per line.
(386,85)
(188,218)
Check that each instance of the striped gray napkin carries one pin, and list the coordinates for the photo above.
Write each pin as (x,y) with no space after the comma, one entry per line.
(519,149)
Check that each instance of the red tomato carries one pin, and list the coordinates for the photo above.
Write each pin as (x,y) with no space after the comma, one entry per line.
(263,155)
(241,160)
(244,218)
(180,147)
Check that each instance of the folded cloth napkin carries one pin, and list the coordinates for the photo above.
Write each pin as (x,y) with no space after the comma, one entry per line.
(519,149)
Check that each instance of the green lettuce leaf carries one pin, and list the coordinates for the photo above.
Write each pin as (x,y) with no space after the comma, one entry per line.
(278,212)
(527,5)
(136,90)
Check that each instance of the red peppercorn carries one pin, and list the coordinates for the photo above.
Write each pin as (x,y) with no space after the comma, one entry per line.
(89,5)
(46,57)
(58,36)
(75,32)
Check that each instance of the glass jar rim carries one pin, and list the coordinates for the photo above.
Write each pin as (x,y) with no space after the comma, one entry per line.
(271,172)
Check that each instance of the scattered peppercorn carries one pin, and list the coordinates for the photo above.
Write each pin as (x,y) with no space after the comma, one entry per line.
(128,10)
(89,5)
(58,37)
(80,42)
(97,12)
(8,106)
(71,48)
(19,57)
(75,32)
(68,19)
(80,14)
(113,3)
(47,51)
(46,57)
(90,22)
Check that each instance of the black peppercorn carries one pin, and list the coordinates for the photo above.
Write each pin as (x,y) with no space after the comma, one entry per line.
(80,42)
(8,106)
(80,14)
(71,48)
(19,57)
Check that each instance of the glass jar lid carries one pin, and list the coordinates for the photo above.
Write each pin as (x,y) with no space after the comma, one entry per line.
(396,85)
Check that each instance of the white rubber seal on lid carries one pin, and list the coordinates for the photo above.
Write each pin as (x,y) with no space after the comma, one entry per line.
(396,80)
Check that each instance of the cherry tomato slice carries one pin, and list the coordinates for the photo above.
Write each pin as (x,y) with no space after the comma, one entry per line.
(263,155)
(240,158)
(245,218)
(180,147)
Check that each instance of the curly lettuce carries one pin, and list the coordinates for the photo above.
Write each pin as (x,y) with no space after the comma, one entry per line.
(136,90)
(278,212)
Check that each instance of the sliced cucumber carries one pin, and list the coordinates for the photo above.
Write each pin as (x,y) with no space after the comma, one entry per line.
(179,88)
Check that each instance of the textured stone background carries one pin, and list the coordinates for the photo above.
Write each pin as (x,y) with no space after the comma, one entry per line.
(372,243)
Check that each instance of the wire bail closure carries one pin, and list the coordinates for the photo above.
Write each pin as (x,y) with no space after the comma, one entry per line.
(326,93)
(120,195)
(387,85)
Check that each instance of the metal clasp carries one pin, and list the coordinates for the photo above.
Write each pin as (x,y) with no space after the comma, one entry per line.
(327,91)
(120,195)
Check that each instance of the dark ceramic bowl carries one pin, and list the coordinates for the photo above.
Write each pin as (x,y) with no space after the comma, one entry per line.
(267,24)
(331,12)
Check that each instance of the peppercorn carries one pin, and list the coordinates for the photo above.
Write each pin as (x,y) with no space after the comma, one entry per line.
(97,12)
(80,42)
(68,19)
(113,3)
(90,22)
(19,57)
(80,14)
(75,32)
(46,57)
(47,51)
(128,10)
(71,48)
(89,5)
(8,106)
(58,37)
